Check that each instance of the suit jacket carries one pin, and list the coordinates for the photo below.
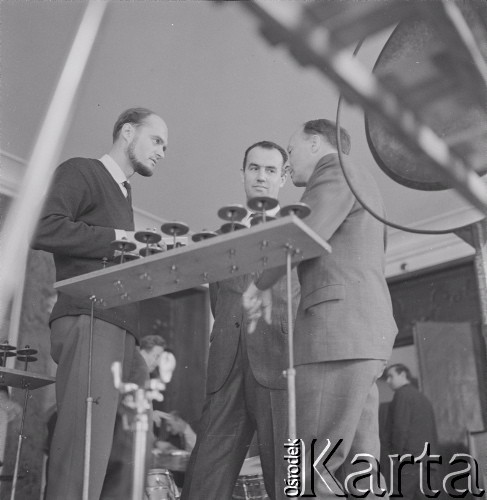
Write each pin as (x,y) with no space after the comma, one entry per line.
(266,347)
(345,310)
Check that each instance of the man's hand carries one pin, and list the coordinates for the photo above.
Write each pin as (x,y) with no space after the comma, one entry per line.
(131,237)
(175,424)
(257,303)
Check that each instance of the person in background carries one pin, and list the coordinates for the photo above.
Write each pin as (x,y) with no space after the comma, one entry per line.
(410,426)
(89,206)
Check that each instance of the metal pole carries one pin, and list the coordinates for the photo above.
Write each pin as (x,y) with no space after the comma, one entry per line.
(291,372)
(19,445)
(89,409)
(22,217)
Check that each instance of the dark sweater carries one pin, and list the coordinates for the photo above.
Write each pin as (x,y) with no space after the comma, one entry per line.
(84,207)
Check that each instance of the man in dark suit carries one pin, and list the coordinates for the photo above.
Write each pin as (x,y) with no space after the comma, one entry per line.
(344,326)
(410,426)
(245,383)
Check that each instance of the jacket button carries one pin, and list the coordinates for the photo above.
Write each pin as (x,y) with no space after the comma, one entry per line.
(237,324)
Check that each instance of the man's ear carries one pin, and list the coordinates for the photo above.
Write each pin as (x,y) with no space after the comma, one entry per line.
(283,177)
(127,131)
(242,175)
(315,143)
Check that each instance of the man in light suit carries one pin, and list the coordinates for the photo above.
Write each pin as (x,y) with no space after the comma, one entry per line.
(245,383)
(344,326)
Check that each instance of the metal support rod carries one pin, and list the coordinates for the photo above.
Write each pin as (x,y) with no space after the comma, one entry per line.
(89,410)
(19,445)
(480,239)
(21,219)
(291,372)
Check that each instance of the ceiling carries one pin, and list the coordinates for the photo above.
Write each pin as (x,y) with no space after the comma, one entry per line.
(207,71)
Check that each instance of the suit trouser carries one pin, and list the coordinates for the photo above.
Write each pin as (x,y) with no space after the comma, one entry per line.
(230,417)
(69,349)
(338,400)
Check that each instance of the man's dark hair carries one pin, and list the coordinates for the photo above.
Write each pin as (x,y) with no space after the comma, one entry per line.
(266,145)
(135,116)
(328,130)
(400,368)
(150,341)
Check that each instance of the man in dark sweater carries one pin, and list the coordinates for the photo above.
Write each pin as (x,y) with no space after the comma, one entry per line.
(410,426)
(89,206)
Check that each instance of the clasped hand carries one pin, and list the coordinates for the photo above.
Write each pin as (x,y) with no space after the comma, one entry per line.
(257,304)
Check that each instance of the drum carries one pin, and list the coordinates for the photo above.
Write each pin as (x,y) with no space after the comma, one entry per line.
(161,486)
(250,487)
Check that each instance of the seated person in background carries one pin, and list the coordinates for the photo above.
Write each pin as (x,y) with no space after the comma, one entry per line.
(151,348)
(179,433)
(9,409)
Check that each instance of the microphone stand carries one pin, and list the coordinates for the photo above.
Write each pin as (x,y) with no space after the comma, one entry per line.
(140,400)
(89,410)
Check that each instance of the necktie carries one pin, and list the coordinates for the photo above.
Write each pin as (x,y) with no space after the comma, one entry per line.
(128,187)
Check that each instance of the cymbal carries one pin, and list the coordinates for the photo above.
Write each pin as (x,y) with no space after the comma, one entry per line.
(5,346)
(262,203)
(228,227)
(29,359)
(149,236)
(259,219)
(7,354)
(232,212)
(123,245)
(298,209)
(151,250)
(203,235)
(23,379)
(175,228)
(26,351)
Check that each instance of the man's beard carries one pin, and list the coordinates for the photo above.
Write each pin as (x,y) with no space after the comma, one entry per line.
(137,165)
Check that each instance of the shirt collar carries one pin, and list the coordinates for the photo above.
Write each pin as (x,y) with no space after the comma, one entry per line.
(272,213)
(113,168)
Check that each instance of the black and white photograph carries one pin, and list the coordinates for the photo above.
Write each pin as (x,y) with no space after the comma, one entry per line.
(243,249)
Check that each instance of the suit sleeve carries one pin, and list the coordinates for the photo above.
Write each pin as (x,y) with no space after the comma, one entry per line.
(61,229)
(329,198)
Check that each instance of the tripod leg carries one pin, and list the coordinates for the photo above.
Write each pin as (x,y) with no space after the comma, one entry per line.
(19,446)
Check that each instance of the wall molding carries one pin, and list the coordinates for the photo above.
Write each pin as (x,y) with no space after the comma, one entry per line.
(409,252)
(406,252)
